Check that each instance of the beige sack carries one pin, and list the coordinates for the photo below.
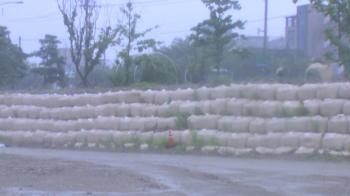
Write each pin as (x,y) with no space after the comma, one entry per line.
(202,94)
(317,124)
(333,141)
(220,106)
(45,125)
(235,106)
(313,106)
(124,124)
(222,138)
(338,124)
(291,139)
(238,140)
(123,110)
(150,124)
(162,110)
(276,125)
(226,123)
(107,123)
(45,113)
(96,99)
(86,124)
(234,91)
(344,91)
(6,124)
(346,108)
(269,108)
(328,91)
(148,96)
(287,92)
(203,122)
(133,96)
(164,124)
(249,91)
(188,107)
(206,107)
(266,91)
(183,95)
(162,97)
(241,124)
(135,109)
(257,125)
(148,111)
(252,108)
(332,107)
(255,141)
(307,92)
(207,136)
(298,124)
(272,140)
(137,124)
(219,92)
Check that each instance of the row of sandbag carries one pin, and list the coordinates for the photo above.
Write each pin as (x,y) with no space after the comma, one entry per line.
(318,124)
(292,140)
(231,107)
(279,92)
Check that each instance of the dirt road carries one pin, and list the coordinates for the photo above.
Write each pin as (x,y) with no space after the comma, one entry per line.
(63,172)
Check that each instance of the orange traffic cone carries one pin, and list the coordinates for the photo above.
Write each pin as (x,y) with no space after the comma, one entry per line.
(170,140)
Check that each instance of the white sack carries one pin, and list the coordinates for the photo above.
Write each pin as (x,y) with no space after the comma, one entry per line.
(7,99)
(182,94)
(269,108)
(162,110)
(21,112)
(15,138)
(298,124)
(93,137)
(86,124)
(234,91)
(311,140)
(276,125)
(133,96)
(291,107)
(145,136)
(6,124)
(186,137)
(86,112)
(272,140)
(338,124)
(64,101)
(39,137)
(63,126)
(257,125)
(222,137)
(249,91)
(218,92)
(107,123)
(82,136)
(150,124)
(287,92)
(137,124)
(148,96)
(241,124)
(347,145)
(238,140)
(303,150)
(344,91)
(45,113)
(252,108)
(107,110)
(328,91)
(207,136)
(291,139)
(8,112)
(45,125)
(174,106)
(24,125)
(55,113)
(317,124)
(33,112)
(96,99)
(307,91)
(346,108)
(106,137)
(17,99)
(123,110)
(162,97)
(203,122)
(205,107)
(220,106)
(313,106)
(148,111)
(188,107)
(80,100)
(225,123)
(124,124)
(255,141)
(235,106)
(332,107)
(164,124)
(202,93)
(65,113)
(135,109)
(266,91)
(59,139)
(333,141)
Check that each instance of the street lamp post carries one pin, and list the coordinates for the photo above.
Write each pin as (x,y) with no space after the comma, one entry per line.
(11,2)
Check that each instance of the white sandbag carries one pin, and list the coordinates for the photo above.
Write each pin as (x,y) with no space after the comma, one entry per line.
(148,111)
(39,137)
(303,150)
(33,112)
(222,137)
(182,95)
(174,106)
(7,99)
(313,106)
(17,99)
(346,108)
(234,91)
(6,124)
(162,97)
(187,137)
(347,145)
(241,124)
(86,112)
(123,110)
(107,98)
(298,124)
(255,141)
(266,91)
(162,110)
(311,140)
(45,125)
(333,141)
(202,94)
(63,126)
(82,136)
(65,113)
(269,108)
(164,124)
(148,96)
(176,136)
(150,124)
(106,137)
(290,108)
(2,99)
(205,107)
(145,137)
(338,124)
(119,97)
(107,123)
(24,125)
(86,124)
(64,101)
(28,99)
(21,112)
(42,101)
(220,106)
(226,123)
(55,113)
(272,140)
(8,112)
(124,124)
(344,91)
(96,99)
(328,91)
(207,136)
(252,108)
(238,140)
(287,92)
(54,100)
(160,136)
(317,124)
(332,107)
(133,96)
(72,137)
(307,91)
(28,138)
(249,91)
(188,107)
(264,150)
(137,124)
(80,100)
(203,122)
(45,113)
(276,125)
(208,149)
(93,136)
(235,106)
(218,92)
(135,109)
(59,139)
(16,138)
(107,110)
(257,125)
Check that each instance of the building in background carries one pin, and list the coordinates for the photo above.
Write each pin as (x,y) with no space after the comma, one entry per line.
(305,32)
(258,42)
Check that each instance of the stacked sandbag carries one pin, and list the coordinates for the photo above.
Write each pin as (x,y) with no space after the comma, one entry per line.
(45,113)
(234,91)
(202,93)
(145,137)
(203,122)
(187,137)
(64,126)
(7,112)
(137,124)
(16,138)
(328,91)
(24,125)
(238,140)
(249,91)
(220,106)
(347,145)
(45,125)
(39,137)
(133,96)
(107,123)
(53,100)
(346,108)
(27,99)
(241,124)
(86,124)
(312,106)
(58,139)
(17,99)
(1,99)
(93,137)
(124,124)
(272,140)
(298,124)
(266,91)
(307,91)
(162,110)
(219,92)
(207,136)
(252,108)
(258,126)
(205,107)
(135,109)
(123,110)
(317,124)
(80,100)
(86,112)
(269,108)
(276,125)
(164,124)
(55,114)
(338,124)
(108,98)
(7,99)
(148,96)
(6,124)
(332,107)
(291,140)
(162,97)
(174,106)
(65,113)
(96,99)
(148,110)
(311,140)
(226,123)
(255,141)
(188,107)
(344,91)
(290,108)
(34,112)
(287,92)
(222,137)
(106,137)
(22,112)
(64,101)
(182,95)
(235,106)
(108,110)
(334,141)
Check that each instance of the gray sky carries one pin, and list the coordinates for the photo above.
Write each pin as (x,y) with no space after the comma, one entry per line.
(35,18)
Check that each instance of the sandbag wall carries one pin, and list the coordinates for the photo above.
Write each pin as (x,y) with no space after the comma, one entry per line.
(265,118)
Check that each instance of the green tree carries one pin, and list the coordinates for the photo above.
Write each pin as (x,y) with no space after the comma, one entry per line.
(339,13)
(52,64)
(86,48)
(131,39)
(12,60)
(217,31)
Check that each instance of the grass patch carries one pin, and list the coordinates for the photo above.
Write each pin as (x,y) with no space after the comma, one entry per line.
(300,111)
(211,110)
(181,120)
(220,81)
(199,142)
(198,111)
(160,143)
(144,85)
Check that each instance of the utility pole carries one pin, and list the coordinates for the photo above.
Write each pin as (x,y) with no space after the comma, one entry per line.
(19,41)
(339,29)
(265,27)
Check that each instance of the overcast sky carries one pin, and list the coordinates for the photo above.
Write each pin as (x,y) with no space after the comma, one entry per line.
(35,18)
